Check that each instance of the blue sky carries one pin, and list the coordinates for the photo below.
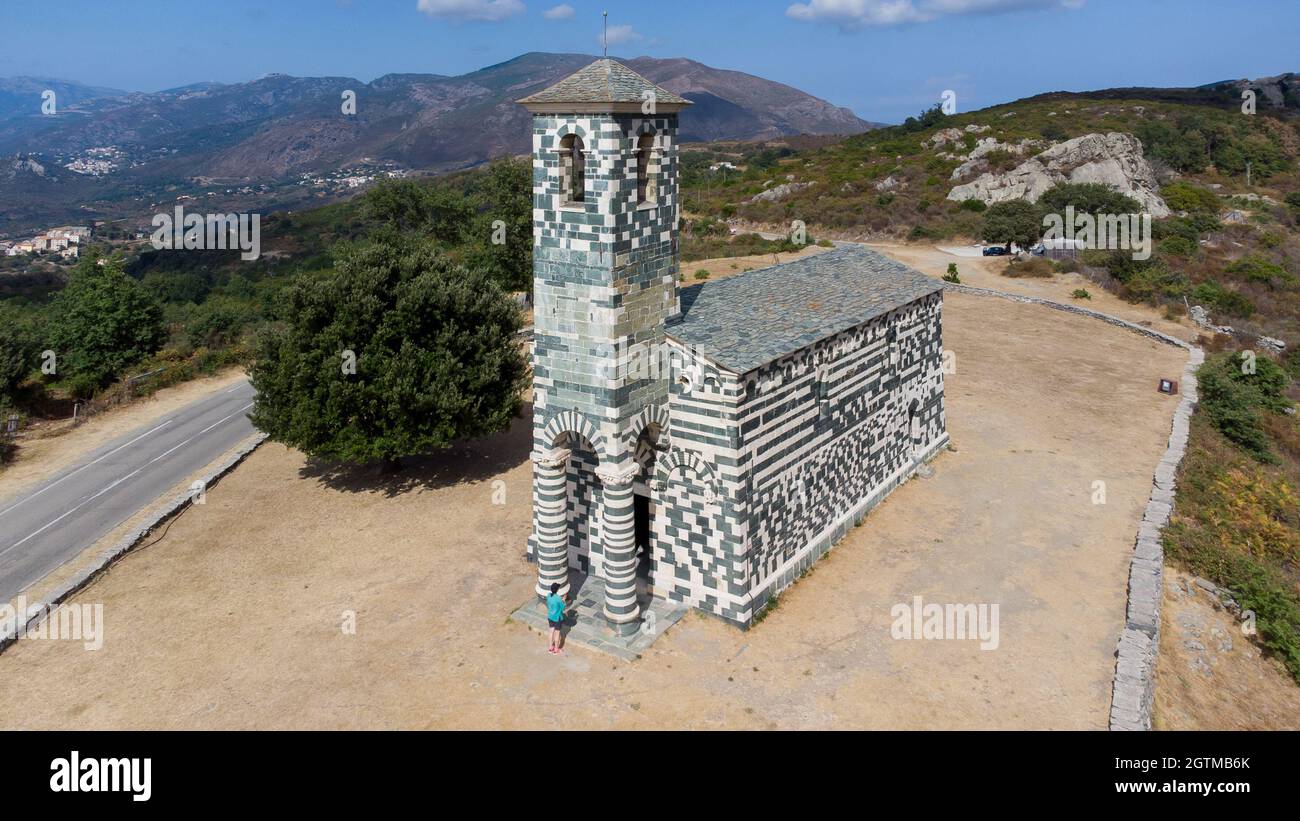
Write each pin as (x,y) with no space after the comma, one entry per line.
(884,59)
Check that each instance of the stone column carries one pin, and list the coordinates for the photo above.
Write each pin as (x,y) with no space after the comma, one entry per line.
(551,520)
(618,536)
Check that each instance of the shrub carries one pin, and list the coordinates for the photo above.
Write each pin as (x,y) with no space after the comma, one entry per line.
(702,274)
(973,205)
(1178,247)
(1234,395)
(1255,268)
(952,275)
(1080,293)
(1184,196)
(1033,267)
(1155,281)
(1213,294)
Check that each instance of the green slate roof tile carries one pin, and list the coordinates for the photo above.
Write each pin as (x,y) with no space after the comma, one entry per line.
(604,81)
(752,319)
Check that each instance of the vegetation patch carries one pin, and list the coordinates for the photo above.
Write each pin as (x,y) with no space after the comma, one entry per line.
(1237,520)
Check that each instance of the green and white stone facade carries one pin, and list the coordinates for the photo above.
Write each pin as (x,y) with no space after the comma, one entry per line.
(758,428)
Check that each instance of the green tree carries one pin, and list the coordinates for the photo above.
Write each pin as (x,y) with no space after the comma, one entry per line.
(504,250)
(18,350)
(1012,221)
(102,322)
(1087,198)
(409,206)
(434,351)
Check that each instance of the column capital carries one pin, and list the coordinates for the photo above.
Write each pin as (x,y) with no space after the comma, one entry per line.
(553,458)
(618,476)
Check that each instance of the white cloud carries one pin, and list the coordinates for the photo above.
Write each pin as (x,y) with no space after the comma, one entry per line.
(491,11)
(619,34)
(561,12)
(850,14)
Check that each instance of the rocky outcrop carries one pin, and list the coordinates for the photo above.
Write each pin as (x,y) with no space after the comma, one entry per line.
(975,161)
(947,135)
(780,192)
(1114,159)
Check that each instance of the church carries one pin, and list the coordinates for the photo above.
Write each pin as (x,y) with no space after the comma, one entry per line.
(704,444)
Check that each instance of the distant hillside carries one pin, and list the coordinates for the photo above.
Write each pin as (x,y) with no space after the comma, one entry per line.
(1272,94)
(272,131)
(23,96)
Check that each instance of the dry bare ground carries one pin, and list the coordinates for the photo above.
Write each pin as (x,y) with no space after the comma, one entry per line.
(234,618)
(1211,676)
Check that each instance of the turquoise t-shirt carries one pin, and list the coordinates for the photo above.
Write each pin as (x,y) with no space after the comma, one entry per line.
(554,607)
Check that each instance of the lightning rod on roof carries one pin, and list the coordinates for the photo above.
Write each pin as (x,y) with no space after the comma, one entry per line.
(605,14)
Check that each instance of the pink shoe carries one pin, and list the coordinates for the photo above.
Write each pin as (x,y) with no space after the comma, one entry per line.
(551,650)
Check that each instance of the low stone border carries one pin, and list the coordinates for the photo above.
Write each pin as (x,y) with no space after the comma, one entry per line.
(129,542)
(1133,689)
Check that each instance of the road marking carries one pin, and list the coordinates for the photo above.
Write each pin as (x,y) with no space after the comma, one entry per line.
(88,464)
(138,470)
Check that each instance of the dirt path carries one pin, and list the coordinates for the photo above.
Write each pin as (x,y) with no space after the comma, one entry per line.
(986,272)
(60,446)
(234,619)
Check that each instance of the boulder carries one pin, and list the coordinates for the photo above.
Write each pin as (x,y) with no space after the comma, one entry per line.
(779,192)
(1114,159)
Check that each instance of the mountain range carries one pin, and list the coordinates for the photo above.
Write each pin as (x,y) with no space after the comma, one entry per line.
(104,150)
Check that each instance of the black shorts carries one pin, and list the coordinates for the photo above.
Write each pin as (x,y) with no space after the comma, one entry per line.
(555,625)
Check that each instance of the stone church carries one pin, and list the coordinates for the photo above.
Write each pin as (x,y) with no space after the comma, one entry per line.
(703,444)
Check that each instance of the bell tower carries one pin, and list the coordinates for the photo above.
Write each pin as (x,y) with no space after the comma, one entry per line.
(605,266)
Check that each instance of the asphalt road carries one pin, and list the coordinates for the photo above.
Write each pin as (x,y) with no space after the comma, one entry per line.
(46,525)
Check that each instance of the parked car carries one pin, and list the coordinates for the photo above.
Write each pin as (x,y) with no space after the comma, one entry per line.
(995,251)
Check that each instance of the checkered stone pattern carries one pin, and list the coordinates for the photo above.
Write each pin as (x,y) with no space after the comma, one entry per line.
(830,430)
(604,271)
(605,279)
(699,527)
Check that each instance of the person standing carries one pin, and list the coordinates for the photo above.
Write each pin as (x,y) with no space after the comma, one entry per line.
(555,617)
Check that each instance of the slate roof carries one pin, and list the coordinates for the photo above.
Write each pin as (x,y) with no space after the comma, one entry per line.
(746,321)
(604,81)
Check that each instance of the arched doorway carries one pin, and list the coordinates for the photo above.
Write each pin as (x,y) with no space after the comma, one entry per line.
(646,455)
(582,501)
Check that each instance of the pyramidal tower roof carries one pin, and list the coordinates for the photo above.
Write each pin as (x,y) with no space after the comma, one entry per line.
(604,86)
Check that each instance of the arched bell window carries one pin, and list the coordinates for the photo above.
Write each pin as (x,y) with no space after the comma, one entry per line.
(573,183)
(645,170)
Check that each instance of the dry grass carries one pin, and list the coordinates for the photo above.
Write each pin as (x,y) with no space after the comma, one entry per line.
(234,619)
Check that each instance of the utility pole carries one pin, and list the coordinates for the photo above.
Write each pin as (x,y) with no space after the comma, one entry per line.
(1247,173)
